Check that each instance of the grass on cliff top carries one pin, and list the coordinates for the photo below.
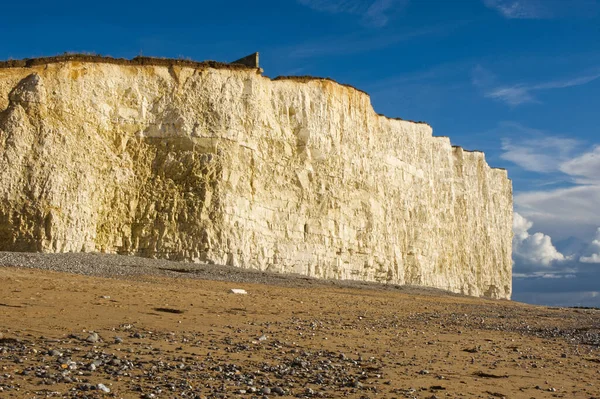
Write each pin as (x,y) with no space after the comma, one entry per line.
(136,61)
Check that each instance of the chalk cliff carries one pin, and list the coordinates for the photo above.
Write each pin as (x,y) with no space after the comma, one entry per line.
(221,164)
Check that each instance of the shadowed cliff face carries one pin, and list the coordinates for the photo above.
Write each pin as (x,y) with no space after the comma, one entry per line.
(227,166)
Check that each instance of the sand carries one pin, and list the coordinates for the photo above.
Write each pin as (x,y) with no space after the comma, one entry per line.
(147,332)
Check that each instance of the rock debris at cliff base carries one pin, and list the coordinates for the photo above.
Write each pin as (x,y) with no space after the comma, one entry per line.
(149,336)
(217,164)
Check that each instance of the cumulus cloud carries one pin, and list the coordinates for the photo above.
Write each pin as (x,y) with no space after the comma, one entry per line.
(532,250)
(543,273)
(572,282)
(594,258)
(593,251)
(374,12)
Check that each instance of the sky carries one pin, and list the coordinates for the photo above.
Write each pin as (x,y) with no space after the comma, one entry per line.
(517,79)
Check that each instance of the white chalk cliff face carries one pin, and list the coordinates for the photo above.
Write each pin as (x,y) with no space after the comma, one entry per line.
(230,167)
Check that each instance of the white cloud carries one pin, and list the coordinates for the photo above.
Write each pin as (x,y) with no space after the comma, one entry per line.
(522,94)
(482,77)
(543,9)
(561,84)
(560,212)
(519,9)
(538,155)
(377,12)
(569,213)
(594,248)
(546,275)
(593,258)
(555,276)
(521,227)
(374,12)
(537,152)
(586,167)
(515,95)
(532,250)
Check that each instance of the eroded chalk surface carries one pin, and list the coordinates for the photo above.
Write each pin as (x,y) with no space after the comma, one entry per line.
(231,167)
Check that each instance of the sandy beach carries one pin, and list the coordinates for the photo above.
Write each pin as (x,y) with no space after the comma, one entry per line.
(107,326)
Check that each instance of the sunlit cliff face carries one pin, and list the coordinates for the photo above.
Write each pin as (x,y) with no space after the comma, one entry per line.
(228,166)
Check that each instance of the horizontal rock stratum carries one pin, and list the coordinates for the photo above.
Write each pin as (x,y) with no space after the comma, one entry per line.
(211,162)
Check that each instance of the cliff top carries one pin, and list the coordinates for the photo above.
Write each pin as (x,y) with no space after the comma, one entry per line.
(136,61)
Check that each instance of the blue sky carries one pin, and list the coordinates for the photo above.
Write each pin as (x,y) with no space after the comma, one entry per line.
(518,79)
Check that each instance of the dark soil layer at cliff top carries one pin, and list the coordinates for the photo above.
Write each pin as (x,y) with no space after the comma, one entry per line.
(137,61)
(127,327)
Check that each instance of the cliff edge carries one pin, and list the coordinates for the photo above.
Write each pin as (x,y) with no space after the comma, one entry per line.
(217,163)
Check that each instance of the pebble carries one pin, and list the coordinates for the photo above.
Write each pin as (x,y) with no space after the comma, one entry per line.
(93,338)
(103,388)
(118,340)
(266,391)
